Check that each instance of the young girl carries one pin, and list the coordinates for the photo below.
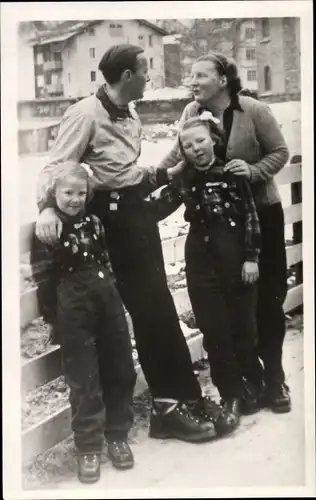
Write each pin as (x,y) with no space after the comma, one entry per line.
(221,253)
(78,299)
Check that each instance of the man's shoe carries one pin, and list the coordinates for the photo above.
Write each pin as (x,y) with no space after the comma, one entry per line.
(120,455)
(250,402)
(232,408)
(89,467)
(223,420)
(176,421)
(277,397)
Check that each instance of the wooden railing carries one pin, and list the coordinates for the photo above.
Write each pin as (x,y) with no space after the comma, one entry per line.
(47,367)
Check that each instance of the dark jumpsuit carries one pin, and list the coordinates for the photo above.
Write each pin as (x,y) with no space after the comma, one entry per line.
(224,232)
(78,296)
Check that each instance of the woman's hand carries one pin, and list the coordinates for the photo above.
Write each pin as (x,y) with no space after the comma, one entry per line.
(250,272)
(48,226)
(177,169)
(239,168)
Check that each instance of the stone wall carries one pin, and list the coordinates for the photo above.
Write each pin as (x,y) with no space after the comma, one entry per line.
(149,111)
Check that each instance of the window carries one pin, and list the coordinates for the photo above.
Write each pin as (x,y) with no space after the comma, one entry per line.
(150,40)
(91,31)
(151,63)
(57,56)
(267,78)
(92,53)
(69,77)
(93,76)
(250,54)
(116,29)
(140,37)
(48,78)
(40,80)
(251,75)
(39,58)
(54,79)
(265,27)
(249,33)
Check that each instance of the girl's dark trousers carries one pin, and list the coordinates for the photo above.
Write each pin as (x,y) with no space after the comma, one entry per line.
(224,307)
(135,251)
(96,357)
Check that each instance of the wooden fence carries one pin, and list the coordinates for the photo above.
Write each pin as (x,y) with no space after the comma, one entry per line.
(47,367)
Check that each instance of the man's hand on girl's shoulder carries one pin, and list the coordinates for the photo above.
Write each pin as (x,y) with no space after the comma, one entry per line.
(48,226)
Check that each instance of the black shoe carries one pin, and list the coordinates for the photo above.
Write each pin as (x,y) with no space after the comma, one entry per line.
(251,400)
(176,421)
(207,409)
(277,397)
(120,455)
(89,467)
(232,407)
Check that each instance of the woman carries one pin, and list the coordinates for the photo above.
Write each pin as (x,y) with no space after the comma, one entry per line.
(254,148)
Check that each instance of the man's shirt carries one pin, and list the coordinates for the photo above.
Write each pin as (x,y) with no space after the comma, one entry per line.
(95,132)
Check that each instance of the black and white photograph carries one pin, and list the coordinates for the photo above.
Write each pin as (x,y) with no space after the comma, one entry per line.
(158,318)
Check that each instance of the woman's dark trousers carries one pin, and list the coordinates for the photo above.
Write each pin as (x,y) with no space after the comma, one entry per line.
(272,290)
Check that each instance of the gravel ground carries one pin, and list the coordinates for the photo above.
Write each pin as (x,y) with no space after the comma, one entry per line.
(271,446)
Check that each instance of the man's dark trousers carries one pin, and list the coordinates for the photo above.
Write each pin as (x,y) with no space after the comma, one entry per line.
(135,251)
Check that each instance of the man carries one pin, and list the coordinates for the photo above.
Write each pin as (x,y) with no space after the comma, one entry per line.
(104,131)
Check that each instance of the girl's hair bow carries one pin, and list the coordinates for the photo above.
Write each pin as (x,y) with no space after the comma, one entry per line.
(208,116)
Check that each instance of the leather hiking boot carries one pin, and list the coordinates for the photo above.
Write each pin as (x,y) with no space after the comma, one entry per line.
(222,419)
(176,421)
(277,397)
(89,467)
(231,407)
(120,455)
(250,402)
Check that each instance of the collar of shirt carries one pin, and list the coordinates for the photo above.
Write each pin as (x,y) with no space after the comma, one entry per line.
(114,112)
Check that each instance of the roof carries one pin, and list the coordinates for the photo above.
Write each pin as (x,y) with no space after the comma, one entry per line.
(81,26)
(153,26)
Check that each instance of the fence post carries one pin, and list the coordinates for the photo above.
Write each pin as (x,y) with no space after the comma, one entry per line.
(296,196)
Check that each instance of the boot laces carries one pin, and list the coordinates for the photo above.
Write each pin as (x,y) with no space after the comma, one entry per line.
(184,411)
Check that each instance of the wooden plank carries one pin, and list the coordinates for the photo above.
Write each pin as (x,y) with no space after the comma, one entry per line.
(294,254)
(28,307)
(293,213)
(181,300)
(179,247)
(289,174)
(40,370)
(168,250)
(294,298)
(25,237)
